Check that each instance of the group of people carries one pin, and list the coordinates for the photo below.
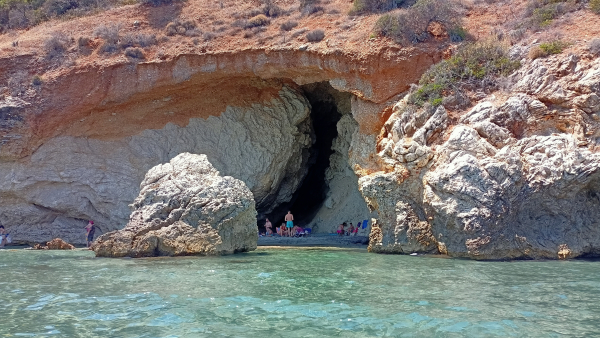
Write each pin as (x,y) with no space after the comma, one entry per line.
(287,228)
(351,230)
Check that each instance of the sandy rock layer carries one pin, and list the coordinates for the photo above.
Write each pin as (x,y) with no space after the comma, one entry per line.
(185,208)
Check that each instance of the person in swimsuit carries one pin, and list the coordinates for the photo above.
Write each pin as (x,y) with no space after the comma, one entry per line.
(340,230)
(350,230)
(91,229)
(269,228)
(3,236)
(289,220)
(284,230)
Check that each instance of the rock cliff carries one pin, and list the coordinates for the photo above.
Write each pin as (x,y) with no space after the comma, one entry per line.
(77,147)
(515,177)
(72,179)
(185,208)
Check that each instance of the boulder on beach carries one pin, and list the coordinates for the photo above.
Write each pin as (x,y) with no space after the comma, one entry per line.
(185,208)
(55,244)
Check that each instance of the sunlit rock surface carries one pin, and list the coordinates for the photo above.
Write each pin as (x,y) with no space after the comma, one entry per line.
(185,208)
(512,178)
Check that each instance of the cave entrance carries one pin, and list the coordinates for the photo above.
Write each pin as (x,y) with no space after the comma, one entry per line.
(328,106)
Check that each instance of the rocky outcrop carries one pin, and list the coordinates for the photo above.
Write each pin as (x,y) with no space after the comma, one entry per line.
(514,178)
(55,244)
(69,180)
(185,208)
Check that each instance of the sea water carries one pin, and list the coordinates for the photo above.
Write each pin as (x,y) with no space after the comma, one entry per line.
(294,293)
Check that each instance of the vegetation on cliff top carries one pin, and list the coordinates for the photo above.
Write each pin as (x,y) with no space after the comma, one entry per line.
(474,66)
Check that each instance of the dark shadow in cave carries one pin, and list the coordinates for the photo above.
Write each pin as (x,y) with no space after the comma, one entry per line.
(311,194)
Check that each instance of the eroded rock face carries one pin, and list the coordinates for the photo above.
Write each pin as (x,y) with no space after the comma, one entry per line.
(514,179)
(185,208)
(70,180)
(344,202)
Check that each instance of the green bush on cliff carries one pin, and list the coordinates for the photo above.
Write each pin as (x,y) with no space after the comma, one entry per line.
(595,6)
(475,65)
(411,24)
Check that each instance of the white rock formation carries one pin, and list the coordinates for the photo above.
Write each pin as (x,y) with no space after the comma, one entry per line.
(70,180)
(518,178)
(185,208)
(343,203)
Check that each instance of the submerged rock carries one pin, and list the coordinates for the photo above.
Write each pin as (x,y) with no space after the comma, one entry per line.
(55,244)
(185,208)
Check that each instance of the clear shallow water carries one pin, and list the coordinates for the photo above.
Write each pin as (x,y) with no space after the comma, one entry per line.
(294,293)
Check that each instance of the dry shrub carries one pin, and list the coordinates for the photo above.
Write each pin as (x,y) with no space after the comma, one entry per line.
(27,13)
(207,36)
(271,10)
(134,53)
(37,81)
(595,6)
(156,3)
(594,46)
(55,46)
(108,33)
(179,27)
(288,25)
(257,21)
(298,33)
(372,6)
(308,7)
(536,52)
(411,25)
(137,40)
(315,36)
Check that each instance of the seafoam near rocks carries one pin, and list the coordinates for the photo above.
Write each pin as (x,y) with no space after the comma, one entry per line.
(185,208)
(515,178)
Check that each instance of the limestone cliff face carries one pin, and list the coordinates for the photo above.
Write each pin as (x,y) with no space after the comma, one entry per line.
(70,179)
(78,146)
(185,207)
(343,203)
(514,177)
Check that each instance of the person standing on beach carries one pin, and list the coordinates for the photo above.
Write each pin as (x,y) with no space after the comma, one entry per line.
(91,229)
(269,228)
(289,220)
(3,236)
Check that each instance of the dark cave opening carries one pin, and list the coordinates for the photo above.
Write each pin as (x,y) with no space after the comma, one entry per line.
(325,114)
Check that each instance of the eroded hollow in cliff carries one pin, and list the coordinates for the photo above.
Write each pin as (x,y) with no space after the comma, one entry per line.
(328,108)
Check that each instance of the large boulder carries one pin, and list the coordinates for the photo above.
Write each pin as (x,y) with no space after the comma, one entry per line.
(185,208)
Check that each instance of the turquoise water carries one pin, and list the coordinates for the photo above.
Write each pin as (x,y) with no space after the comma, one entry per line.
(294,293)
